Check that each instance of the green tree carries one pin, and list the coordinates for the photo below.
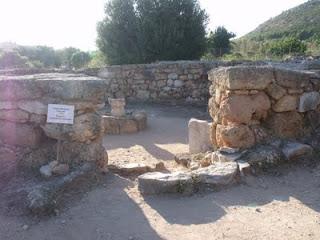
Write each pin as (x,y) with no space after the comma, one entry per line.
(43,54)
(142,31)
(219,43)
(118,33)
(287,46)
(80,59)
(12,59)
(64,55)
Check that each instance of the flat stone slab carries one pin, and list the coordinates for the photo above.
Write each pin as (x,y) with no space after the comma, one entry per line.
(214,177)
(295,150)
(218,175)
(157,183)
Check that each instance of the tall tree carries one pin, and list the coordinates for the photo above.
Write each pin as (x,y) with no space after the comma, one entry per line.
(219,41)
(118,33)
(141,31)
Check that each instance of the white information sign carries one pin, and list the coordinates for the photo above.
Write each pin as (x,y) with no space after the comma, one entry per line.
(58,113)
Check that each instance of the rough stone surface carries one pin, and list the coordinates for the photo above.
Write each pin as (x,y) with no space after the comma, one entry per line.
(248,77)
(295,150)
(286,104)
(263,157)
(199,136)
(218,175)
(219,156)
(157,183)
(234,136)
(241,108)
(309,101)
(286,125)
(131,169)
(275,91)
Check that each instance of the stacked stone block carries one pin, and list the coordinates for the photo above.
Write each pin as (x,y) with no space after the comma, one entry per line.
(251,105)
(25,137)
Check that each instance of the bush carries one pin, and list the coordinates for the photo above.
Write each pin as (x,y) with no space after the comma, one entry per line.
(287,46)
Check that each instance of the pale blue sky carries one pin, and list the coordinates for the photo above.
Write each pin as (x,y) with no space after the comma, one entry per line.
(63,23)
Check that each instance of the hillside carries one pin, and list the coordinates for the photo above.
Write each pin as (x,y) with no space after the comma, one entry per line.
(302,21)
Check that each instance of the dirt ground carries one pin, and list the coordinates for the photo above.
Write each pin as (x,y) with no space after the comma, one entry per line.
(283,204)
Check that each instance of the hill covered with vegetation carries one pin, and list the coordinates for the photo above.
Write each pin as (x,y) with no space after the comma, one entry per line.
(299,25)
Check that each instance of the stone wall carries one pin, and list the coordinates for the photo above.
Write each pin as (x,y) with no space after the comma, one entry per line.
(252,104)
(25,137)
(160,82)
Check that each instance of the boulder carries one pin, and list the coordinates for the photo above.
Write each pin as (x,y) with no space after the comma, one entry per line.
(157,183)
(286,104)
(60,169)
(234,136)
(309,101)
(217,175)
(295,150)
(199,136)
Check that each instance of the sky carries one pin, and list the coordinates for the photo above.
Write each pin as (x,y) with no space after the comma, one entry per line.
(64,23)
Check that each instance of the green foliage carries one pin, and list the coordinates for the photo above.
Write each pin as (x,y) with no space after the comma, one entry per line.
(97,60)
(64,55)
(142,31)
(12,59)
(43,54)
(287,46)
(218,42)
(80,59)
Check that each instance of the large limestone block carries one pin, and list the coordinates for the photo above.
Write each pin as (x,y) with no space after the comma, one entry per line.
(157,183)
(199,136)
(286,104)
(19,134)
(110,125)
(241,108)
(217,175)
(234,136)
(35,107)
(286,124)
(292,79)
(242,77)
(309,101)
(86,127)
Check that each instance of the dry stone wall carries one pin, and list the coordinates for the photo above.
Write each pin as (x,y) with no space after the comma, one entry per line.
(25,136)
(254,104)
(161,82)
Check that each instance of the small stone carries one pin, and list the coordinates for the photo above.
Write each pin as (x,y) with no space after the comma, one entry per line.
(194,166)
(25,227)
(229,150)
(205,162)
(61,169)
(183,159)
(160,166)
(276,91)
(133,168)
(53,164)
(245,168)
(178,83)
(46,171)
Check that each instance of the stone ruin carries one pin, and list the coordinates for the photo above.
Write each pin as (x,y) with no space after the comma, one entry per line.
(262,117)
(118,121)
(254,105)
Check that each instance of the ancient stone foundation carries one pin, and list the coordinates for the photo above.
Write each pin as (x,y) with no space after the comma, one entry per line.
(25,136)
(252,105)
